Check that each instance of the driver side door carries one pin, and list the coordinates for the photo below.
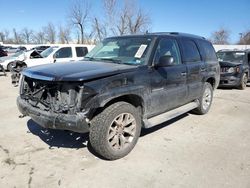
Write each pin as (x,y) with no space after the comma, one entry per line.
(168,83)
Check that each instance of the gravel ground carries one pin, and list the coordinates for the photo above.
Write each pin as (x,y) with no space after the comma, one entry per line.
(190,151)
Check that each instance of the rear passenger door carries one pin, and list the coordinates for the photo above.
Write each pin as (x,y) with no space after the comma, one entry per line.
(195,68)
(63,54)
(168,84)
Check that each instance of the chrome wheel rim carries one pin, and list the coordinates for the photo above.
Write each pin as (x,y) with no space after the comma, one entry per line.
(206,100)
(122,131)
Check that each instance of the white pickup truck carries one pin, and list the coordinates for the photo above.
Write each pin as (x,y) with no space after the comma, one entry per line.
(54,54)
(59,54)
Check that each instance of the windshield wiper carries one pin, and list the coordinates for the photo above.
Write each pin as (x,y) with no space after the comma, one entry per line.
(110,59)
(103,59)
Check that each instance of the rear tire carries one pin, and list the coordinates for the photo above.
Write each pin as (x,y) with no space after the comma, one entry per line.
(115,131)
(205,100)
(243,82)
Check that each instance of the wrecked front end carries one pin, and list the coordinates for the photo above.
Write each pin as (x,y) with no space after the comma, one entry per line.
(56,105)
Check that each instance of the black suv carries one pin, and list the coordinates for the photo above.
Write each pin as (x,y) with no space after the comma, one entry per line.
(125,83)
(234,68)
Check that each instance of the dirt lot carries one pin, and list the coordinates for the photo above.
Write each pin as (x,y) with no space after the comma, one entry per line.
(190,151)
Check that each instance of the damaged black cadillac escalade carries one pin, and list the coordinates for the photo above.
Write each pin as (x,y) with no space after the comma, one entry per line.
(124,84)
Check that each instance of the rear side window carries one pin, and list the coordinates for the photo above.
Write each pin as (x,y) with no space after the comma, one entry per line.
(81,51)
(65,52)
(190,51)
(207,50)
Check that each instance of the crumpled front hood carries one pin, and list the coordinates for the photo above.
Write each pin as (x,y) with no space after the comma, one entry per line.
(229,64)
(76,71)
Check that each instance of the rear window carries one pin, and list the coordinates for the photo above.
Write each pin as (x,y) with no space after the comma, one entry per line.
(207,51)
(81,51)
(190,51)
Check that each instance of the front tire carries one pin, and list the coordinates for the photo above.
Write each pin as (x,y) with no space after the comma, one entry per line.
(9,67)
(115,131)
(243,82)
(205,100)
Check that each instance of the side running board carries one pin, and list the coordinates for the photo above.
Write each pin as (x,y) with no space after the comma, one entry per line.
(156,120)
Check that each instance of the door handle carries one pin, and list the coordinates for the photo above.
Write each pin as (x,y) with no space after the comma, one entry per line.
(183,73)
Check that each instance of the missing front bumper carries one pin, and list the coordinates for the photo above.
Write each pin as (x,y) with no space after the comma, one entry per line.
(76,123)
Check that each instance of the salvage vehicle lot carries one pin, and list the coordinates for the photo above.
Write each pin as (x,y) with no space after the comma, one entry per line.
(190,151)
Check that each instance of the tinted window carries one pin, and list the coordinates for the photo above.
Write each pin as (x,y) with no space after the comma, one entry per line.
(248,59)
(81,51)
(65,52)
(231,56)
(190,51)
(127,50)
(167,47)
(207,51)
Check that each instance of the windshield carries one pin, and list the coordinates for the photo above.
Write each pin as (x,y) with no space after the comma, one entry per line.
(124,50)
(231,56)
(17,54)
(48,51)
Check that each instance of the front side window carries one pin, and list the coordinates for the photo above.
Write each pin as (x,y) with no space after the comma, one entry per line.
(64,52)
(190,51)
(167,47)
(124,50)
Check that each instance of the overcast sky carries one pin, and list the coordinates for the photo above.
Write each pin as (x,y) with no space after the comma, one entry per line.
(190,16)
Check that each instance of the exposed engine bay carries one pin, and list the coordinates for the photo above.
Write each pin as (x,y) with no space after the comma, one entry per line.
(57,97)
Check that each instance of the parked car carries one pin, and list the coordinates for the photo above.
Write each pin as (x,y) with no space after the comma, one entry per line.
(59,54)
(19,56)
(40,49)
(125,83)
(3,53)
(235,68)
(12,50)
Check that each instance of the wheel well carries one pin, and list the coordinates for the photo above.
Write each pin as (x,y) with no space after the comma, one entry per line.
(247,73)
(211,81)
(19,62)
(132,99)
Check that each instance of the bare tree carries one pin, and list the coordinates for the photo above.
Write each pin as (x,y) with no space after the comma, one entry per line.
(98,30)
(17,37)
(27,35)
(127,20)
(50,33)
(110,8)
(138,22)
(221,36)
(244,38)
(2,36)
(39,37)
(64,34)
(79,14)
(122,23)
(7,39)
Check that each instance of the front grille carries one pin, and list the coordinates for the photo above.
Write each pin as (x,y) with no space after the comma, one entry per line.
(51,96)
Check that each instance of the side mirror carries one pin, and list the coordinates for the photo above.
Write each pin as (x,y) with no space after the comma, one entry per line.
(165,61)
